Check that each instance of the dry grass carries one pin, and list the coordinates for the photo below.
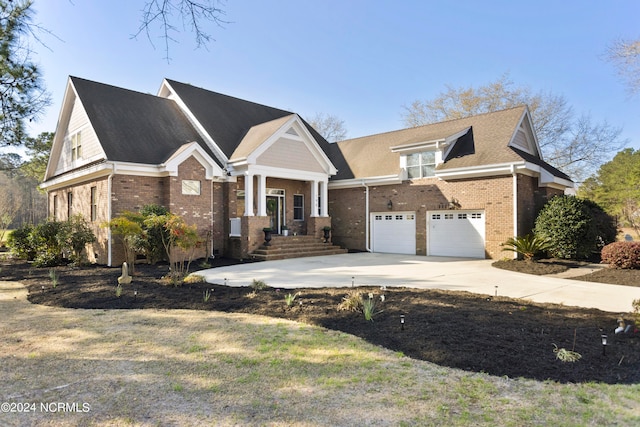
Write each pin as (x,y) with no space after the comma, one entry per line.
(144,367)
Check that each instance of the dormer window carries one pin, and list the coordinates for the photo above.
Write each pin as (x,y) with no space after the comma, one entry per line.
(76,147)
(421,165)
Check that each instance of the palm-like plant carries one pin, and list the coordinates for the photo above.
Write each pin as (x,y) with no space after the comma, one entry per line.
(527,246)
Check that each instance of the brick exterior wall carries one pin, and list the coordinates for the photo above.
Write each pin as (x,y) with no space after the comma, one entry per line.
(346,208)
(493,195)
(81,204)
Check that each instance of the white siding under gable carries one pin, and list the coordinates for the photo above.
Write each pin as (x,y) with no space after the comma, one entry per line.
(520,140)
(290,154)
(91,149)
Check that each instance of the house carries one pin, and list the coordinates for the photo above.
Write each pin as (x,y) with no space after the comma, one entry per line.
(233,167)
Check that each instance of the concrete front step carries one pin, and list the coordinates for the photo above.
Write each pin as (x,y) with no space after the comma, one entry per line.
(272,256)
(295,247)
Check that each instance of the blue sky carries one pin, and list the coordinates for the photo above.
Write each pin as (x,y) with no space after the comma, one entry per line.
(361,60)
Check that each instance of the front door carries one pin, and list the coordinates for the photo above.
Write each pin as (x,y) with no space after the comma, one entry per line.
(275,211)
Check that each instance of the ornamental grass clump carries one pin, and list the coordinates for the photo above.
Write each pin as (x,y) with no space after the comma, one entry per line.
(369,307)
(289,299)
(53,275)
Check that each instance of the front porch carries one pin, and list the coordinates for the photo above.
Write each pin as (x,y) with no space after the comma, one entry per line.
(299,207)
(282,178)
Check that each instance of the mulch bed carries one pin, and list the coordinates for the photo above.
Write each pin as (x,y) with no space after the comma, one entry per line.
(482,333)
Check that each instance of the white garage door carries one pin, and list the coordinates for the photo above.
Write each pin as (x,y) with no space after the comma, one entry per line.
(456,233)
(393,233)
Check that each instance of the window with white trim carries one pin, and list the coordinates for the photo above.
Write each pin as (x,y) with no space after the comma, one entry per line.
(298,207)
(76,146)
(94,203)
(421,165)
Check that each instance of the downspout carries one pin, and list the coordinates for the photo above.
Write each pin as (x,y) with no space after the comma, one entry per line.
(515,200)
(366,216)
(109,189)
(211,228)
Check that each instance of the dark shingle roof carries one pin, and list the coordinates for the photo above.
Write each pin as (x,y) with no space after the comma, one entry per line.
(133,126)
(228,119)
(225,118)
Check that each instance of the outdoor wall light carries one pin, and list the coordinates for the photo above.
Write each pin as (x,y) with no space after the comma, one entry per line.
(402,322)
(389,204)
(604,344)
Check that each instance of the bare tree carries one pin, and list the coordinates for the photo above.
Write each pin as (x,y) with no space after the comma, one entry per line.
(576,146)
(625,55)
(170,15)
(329,126)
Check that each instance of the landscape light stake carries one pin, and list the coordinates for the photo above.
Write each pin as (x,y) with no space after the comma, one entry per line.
(604,344)
(402,322)
(353,281)
(43,289)
(135,294)
(496,290)
(225,281)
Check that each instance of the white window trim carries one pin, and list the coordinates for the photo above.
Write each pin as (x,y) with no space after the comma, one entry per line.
(301,207)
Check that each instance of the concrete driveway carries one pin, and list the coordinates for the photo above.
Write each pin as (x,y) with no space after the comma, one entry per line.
(460,274)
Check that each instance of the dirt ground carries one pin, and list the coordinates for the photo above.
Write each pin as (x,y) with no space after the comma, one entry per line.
(482,333)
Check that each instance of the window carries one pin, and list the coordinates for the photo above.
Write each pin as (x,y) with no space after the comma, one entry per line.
(378,217)
(190,187)
(421,165)
(298,207)
(55,207)
(76,147)
(94,203)
(448,216)
(69,205)
(462,216)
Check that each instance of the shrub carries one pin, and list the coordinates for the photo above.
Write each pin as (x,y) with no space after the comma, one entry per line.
(528,246)
(78,236)
(622,254)
(50,240)
(575,228)
(20,242)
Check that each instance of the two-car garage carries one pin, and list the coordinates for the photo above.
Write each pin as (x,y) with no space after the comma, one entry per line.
(455,233)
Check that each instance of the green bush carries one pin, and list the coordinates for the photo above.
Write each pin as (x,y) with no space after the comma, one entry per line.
(153,234)
(19,240)
(575,228)
(49,239)
(50,243)
(78,236)
(622,254)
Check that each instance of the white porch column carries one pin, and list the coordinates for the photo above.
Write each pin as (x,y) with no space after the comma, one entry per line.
(248,194)
(324,198)
(314,199)
(262,195)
